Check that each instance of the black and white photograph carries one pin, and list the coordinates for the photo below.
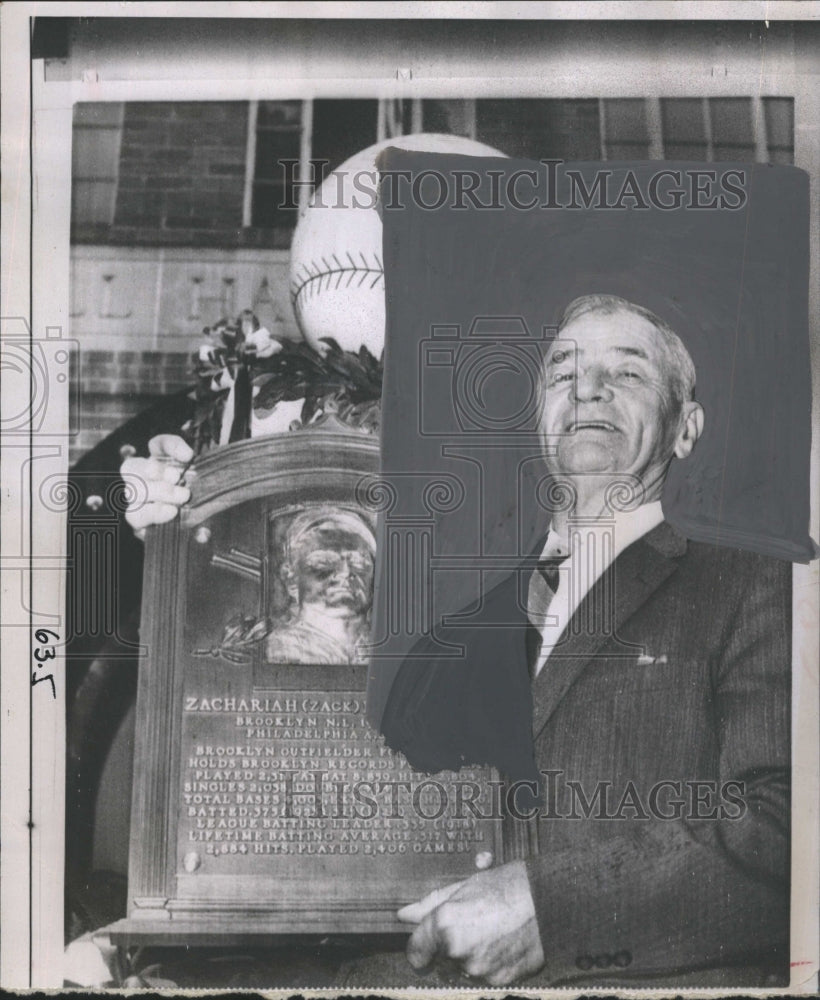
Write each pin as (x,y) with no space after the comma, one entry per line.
(410,461)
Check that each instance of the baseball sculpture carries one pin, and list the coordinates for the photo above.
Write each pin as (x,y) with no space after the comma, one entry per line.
(336,272)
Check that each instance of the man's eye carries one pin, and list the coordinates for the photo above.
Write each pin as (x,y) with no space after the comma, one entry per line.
(565,376)
(629,375)
(322,565)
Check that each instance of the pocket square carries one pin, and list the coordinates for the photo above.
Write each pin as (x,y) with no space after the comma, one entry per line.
(644,660)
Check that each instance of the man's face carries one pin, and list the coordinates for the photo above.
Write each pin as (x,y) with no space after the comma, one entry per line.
(609,404)
(334,568)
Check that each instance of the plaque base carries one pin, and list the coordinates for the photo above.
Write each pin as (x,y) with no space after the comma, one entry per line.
(228,931)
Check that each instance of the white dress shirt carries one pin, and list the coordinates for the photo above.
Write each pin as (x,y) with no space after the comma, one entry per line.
(590,547)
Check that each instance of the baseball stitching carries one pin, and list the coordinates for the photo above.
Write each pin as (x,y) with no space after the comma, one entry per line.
(330,274)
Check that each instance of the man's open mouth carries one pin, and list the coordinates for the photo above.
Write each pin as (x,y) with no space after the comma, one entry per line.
(591,425)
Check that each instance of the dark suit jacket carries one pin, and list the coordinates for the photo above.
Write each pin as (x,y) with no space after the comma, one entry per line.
(675,668)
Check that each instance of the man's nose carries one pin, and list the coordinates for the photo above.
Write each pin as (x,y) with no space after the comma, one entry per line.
(590,385)
(342,568)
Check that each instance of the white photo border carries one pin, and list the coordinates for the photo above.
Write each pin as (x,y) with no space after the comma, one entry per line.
(37,122)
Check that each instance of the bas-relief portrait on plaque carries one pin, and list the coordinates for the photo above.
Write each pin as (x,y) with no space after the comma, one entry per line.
(326,557)
(314,583)
(441,468)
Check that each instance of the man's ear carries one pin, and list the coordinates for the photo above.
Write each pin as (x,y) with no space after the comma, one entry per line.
(691,428)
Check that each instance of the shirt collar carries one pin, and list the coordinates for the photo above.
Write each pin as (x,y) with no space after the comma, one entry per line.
(628,525)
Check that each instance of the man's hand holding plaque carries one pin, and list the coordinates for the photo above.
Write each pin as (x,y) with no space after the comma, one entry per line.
(161,494)
(486,923)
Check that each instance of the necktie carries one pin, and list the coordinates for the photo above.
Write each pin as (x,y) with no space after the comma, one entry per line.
(543,585)
(549,571)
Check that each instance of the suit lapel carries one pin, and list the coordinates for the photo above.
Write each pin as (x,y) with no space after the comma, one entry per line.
(615,597)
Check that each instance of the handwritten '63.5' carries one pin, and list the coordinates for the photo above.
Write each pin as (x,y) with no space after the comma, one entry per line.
(43,652)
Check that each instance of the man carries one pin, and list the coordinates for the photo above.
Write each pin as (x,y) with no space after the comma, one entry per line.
(327,572)
(655,676)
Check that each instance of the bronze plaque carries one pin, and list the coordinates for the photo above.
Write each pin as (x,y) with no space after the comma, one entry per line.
(264,802)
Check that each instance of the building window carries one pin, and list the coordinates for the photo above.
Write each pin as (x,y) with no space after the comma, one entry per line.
(340,130)
(233,173)
(624,127)
(778,117)
(95,157)
(720,129)
(684,129)
(295,142)
(731,128)
(276,130)
(538,129)
(456,117)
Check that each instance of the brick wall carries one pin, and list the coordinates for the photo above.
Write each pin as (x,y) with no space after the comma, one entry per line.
(117,385)
(181,179)
(137,321)
(179,173)
(182,168)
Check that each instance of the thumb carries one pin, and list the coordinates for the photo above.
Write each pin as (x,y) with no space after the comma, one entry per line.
(423,944)
(170,446)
